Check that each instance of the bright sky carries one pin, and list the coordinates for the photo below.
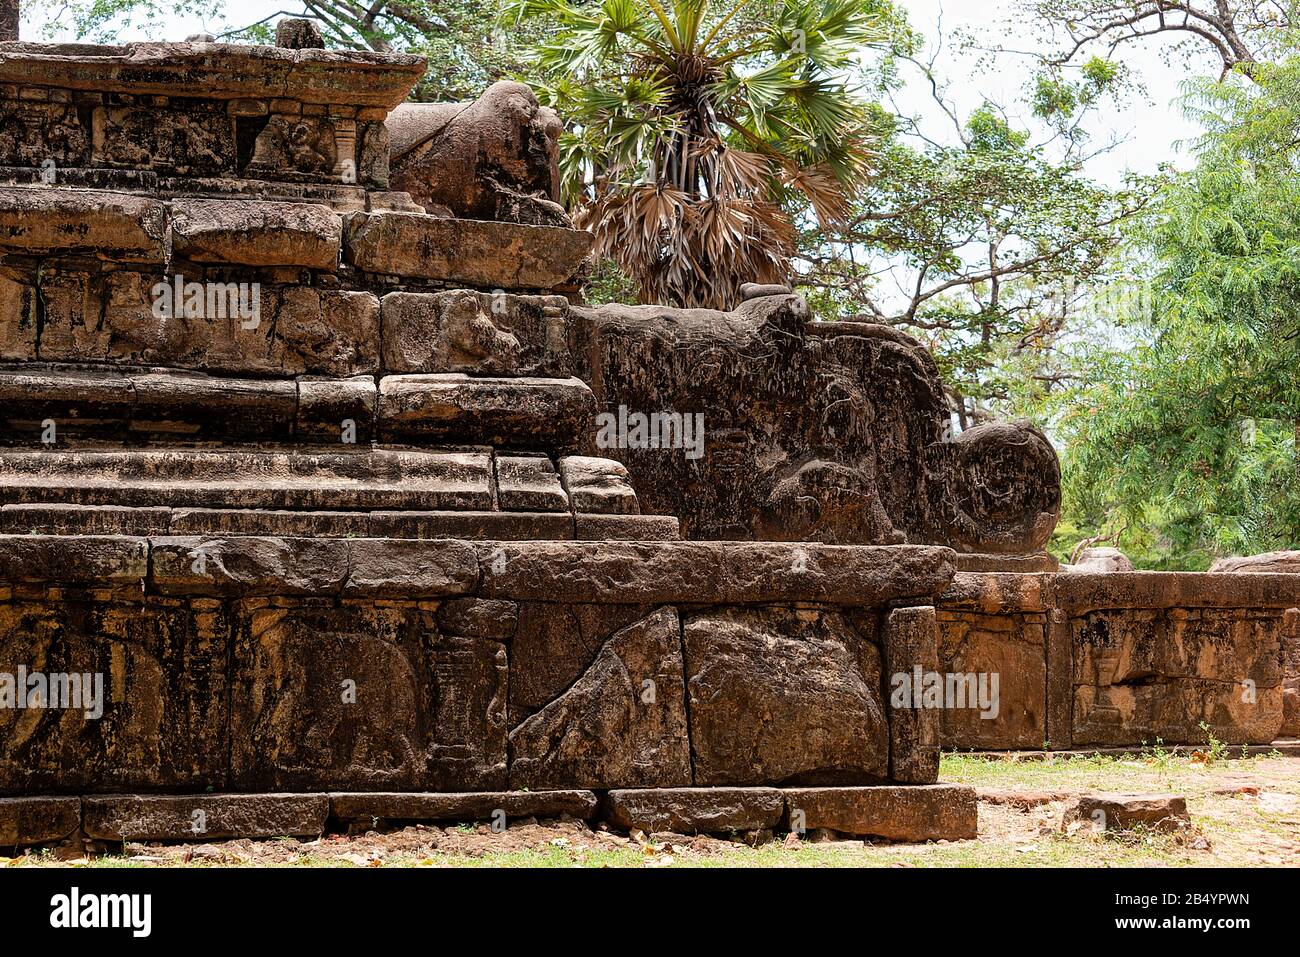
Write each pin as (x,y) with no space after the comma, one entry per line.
(1148,125)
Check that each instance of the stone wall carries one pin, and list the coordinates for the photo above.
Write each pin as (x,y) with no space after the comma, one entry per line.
(281,664)
(1119,659)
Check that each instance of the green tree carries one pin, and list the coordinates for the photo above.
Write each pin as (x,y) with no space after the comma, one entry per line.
(1192,425)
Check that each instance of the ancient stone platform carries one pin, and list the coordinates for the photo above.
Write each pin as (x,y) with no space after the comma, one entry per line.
(305,450)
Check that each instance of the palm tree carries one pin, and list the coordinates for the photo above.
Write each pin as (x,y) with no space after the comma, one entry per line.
(693,135)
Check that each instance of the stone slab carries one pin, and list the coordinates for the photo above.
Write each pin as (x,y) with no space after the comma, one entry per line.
(256,233)
(38,820)
(203,817)
(523,413)
(42,220)
(911,640)
(912,813)
(1124,812)
(714,572)
(488,255)
(529,484)
(481,806)
(694,810)
(270,479)
(636,528)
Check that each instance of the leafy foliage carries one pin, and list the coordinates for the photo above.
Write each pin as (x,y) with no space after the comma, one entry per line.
(697,134)
(1193,426)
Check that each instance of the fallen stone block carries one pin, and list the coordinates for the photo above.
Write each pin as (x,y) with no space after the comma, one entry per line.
(38,820)
(918,812)
(1019,799)
(1124,812)
(694,810)
(203,817)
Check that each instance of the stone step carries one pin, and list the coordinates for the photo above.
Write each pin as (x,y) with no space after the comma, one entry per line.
(60,519)
(231,479)
(40,407)
(909,813)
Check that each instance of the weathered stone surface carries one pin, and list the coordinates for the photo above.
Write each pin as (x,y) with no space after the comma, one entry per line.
(1101,560)
(100,561)
(529,484)
(489,255)
(83,520)
(622,724)
(598,485)
(713,572)
(351,568)
(472,525)
(519,413)
(637,528)
(38,820)
(337,410)
(298,33)
(217,70)
(203,478)
(554,644)
(192,405)
(1142,675)
(1124,812)
(474,806)
(1290,635)
(1020,564)
(365,696)
(149,707)
(1267,563)
(41,220)
(1009,648)
(1007,486)
(913,813)
(475,332)
(478,618)
(256,233)
(77,404)
(378,568)
(276,523)
(245,327)
(199,817)
(495,158)
(910,640)
(778,696)
(813,431)
(694,810)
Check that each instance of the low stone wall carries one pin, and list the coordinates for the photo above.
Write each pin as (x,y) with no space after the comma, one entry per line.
(1119,659)
(254,664)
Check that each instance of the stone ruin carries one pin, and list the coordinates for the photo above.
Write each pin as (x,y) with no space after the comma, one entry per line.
(312,458)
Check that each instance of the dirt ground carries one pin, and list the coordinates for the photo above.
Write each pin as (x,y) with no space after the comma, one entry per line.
(1244,812)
